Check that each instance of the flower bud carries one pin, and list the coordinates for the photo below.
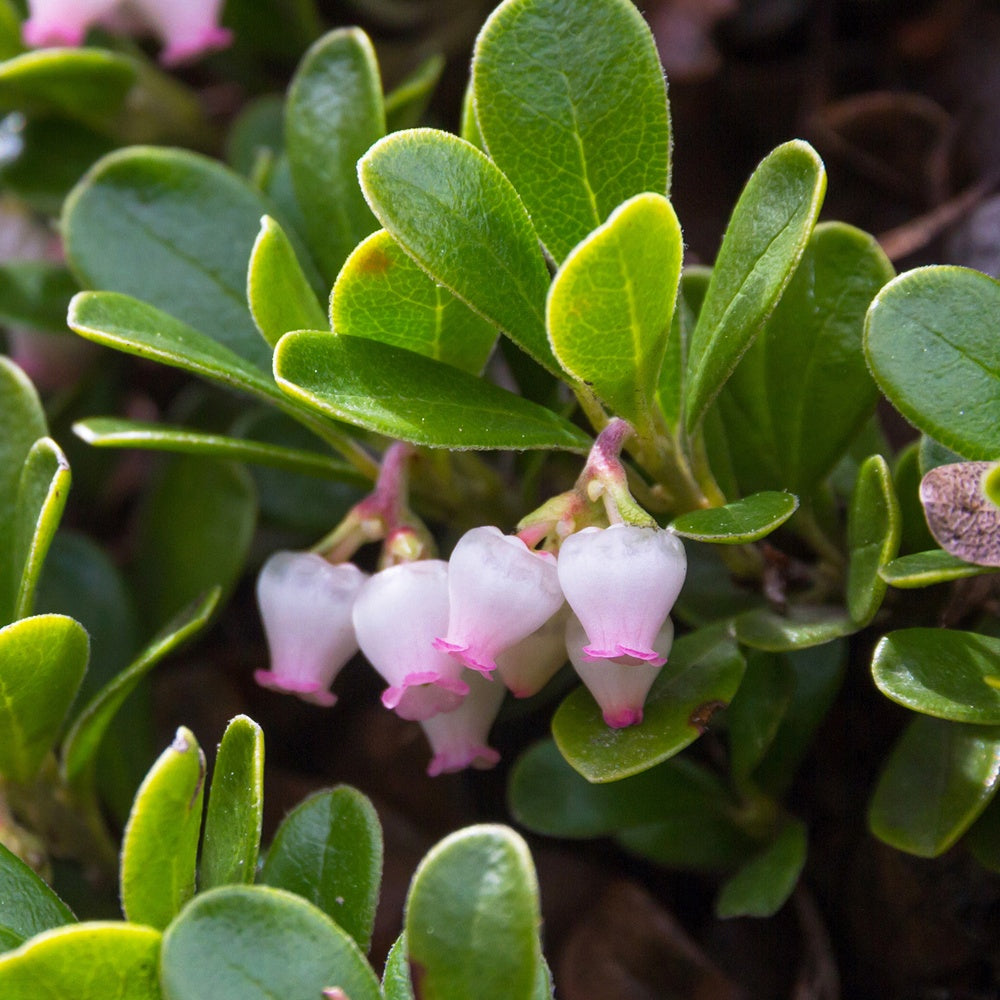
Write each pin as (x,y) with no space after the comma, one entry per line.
(305,604)
(458,738)
(530,664)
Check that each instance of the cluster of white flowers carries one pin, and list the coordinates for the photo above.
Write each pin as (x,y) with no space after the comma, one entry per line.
(438,632)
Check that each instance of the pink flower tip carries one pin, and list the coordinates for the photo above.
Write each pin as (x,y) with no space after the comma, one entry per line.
(37,34)
(649,656)
(623,718)
(306,690)
(482,758)
(460,650)
(423,694)
(211,39)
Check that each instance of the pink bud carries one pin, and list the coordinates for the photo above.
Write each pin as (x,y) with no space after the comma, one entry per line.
(458,738)
(500,591)
(620,685)
(396,616)
(305,603)
(531,663)
(62,22)
(622,582)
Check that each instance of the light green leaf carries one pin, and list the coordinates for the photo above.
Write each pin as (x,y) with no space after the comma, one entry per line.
(235,807)
(930,340)
(257,943)
(873,529)
(278,291)
(762,246)
(609,306)
(738,522)
(701,676)
(329,851)
(923,569)
(407,396)
(572,106)
(160,842)
(42,660)
(396,983)
(761,887)
(334,112)
(89,961)
(406,103)
(472,917)
(460,219)
(939,777)
(383,295)
(27,905)
(991,484)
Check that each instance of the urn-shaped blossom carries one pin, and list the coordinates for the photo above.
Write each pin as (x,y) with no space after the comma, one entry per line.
(396,615)
(621,582)
(528,665)
(305,604)
(458,739)
(619,686)
(500,591)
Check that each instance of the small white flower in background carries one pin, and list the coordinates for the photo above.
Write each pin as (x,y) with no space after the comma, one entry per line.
(527,666)
(622,582)
(619,686)
(305,603)
(397,614)
(500,592)
(186,27)
(458,739)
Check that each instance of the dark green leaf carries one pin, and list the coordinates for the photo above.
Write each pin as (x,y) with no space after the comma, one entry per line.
(572,106)
(406,104)
(670,391)
(915,536)
(922,569)
(763,243)
(761,887)
(407,396)
(329,850)
(873,527)
(803,626)
(35,294)
(710,594)
(738,522)
(983,839)
(931,342)
(696,838)
(27,905)
(940,776)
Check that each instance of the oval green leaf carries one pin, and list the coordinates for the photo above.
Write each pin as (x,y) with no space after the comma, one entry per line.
(738,522)
(762,245)
(334,112)
(413,398)
(803,626)
(951,675)
(406,103)
(383,295)
(460,219)
(329,850)
(89,961)
(609,306)
(930,339)
(761,887)
(939,777)
(42,661)
(258,943)
(472,918)
(27,905)
(702,675)
(549,78)
(396,983)
(923,569)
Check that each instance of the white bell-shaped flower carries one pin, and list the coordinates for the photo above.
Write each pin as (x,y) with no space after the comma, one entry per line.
(530,664)
(458,739)
(500,592)
(305,604)
(397,614)
(621,582)
(619,686)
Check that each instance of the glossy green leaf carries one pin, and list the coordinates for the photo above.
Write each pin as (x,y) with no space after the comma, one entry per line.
(610,304)
(259,943)
(89,961)
(407,396)
(91,724)
(196,526)
(460,219)
(41,497)
(803,626)
(952,675)
(738,522)
(472,917)
(939,777)
(923,569)
(930,339)
(35,294)
(983,838)
(27,905)
(802,391)
(235,811)
(406,103)
(173,229)
(278,291)
(572,106)
(701,676)
(333,114)
(396,983)
(710,594)
(383,295)
(160,842)
(42,660)
(763,243)
(468,127)
(112,432)
(329,850)
(873,529)
(761,887)
(915,537)
(670,390)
